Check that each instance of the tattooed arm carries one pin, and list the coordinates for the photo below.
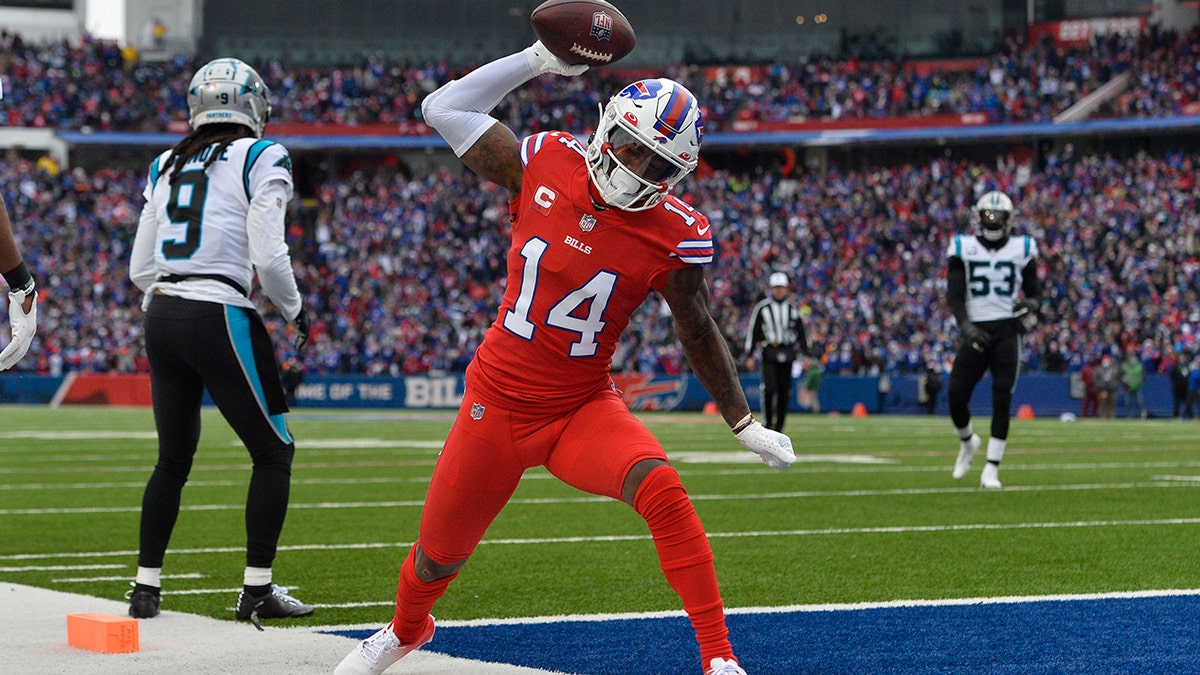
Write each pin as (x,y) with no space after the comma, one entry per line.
(459,110)
(686,291)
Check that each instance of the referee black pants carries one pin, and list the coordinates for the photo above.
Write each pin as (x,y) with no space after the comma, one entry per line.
(776,391)
(193,346)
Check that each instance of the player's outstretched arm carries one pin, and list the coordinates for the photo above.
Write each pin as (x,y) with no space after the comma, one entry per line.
(459,111)
(708,354)
(22,298)
(22,316)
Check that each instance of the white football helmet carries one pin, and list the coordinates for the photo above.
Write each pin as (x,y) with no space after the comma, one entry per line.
(647,140)
(228,91)
(995,211)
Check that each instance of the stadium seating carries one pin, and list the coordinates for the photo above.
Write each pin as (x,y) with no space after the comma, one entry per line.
(402,271)
(1025,82)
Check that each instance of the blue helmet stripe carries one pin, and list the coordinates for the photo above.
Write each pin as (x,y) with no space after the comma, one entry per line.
(670,123)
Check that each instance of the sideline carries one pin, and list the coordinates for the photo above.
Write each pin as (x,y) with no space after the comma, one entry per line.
(33,622)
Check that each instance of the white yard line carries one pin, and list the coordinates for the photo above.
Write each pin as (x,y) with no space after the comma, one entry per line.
(543,541)
(1166,483)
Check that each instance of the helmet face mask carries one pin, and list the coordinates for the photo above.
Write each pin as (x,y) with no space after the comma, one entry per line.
(994,211)
(647,140)
(228,91)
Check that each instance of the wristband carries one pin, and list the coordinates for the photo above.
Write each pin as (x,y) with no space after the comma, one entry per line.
(19,278)
(743,423)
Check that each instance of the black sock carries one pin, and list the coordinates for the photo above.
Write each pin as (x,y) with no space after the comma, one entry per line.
(257,591)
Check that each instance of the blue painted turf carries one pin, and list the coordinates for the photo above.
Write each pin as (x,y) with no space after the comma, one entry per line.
(1127,635)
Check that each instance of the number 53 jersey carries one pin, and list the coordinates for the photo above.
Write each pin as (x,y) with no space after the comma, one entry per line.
(994,277)
(576,273)
(204,223)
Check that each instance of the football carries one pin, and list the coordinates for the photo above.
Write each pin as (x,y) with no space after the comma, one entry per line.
(591,32)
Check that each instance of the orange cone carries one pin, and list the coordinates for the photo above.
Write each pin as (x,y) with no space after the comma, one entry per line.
(1025,412)
(859,410)
(710,408)
(102,632)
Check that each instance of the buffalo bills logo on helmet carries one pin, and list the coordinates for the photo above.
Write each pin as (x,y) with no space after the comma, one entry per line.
(602,26)
(642,89)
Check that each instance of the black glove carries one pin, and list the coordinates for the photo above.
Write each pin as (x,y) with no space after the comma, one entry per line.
(975,336)
(300,324)
(1026,306)
(1026,312)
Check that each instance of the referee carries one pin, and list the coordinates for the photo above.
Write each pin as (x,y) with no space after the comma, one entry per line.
(775,325)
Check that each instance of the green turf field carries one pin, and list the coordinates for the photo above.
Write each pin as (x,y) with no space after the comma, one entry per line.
(869,513)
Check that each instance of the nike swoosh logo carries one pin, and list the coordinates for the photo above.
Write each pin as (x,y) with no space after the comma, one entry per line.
(703,230)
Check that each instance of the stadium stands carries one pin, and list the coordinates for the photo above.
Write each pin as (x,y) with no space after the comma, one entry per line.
(93,85)
(402,272)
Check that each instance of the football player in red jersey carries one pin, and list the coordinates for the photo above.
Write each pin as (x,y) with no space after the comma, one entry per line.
(594,232)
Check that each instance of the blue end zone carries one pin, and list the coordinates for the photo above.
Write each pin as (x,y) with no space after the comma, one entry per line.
(1125,635)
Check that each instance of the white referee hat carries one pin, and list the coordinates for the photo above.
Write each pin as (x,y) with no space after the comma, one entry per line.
(779,279)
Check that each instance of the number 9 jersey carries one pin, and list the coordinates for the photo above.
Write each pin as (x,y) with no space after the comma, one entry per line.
(206,228)
(994,276)
(576,273)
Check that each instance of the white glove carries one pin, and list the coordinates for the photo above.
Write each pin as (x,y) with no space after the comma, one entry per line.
(23,327)
(774,448)
(545,62)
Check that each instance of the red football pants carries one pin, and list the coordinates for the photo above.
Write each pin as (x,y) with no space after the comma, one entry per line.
(592,449)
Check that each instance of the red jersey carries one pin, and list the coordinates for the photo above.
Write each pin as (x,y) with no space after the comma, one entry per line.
(575,275)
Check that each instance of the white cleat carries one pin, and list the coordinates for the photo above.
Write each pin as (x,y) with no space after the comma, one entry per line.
(990,480)
(378,652)
(966,452)
(720,666)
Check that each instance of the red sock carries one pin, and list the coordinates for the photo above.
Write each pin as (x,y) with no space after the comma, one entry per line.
(685,557)
(414,600)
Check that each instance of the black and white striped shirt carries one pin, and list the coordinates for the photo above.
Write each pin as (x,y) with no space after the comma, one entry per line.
(777,324)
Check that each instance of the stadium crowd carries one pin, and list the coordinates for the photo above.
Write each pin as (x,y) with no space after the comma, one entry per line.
(96,84)
(401,272)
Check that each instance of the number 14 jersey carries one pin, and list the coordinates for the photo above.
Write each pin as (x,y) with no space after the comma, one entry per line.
(576,273)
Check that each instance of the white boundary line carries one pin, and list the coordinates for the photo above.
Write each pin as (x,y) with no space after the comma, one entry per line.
(830,607)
